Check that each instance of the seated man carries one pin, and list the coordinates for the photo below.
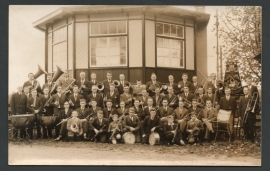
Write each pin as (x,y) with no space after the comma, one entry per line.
(122,110)
(83,114)
(195,108)
(98,128)
(74,127)
(113,95)
(164,111)
(115,129)
(133,124)
(182,117)
(195,129)
(148,107)
(143,98)
(138,111)
(137,89)
(171,131)
(208,115)
(172,98)
(187,97)
(63,116)
(150,124)
(96,96)
(93,110)
(109,110)
(126,97)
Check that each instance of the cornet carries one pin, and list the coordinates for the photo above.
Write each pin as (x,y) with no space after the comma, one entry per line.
(70,102)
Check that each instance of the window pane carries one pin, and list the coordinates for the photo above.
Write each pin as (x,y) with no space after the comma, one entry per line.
(159,28)
(101,61)
(166,29)
(93,42)
(160,61)
(93,61)
(166,61)
(123,50)
(122,27)
(166,43)
(112,27)
(175,62)
(175,53)
(123,60)
(93,51)
(122,41)
(102,42)
(101,51)
(175,44)
(159,42)
(94,28)
(180,31)
(114,42)
(160,52)
(103,28)
(181,62)
(173,30)
(114,60)
(114,51)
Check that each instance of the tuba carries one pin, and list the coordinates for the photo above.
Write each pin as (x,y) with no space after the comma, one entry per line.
(56,75)
(116,83)
(127,84)
(38,73)
(74,127)
(100,86)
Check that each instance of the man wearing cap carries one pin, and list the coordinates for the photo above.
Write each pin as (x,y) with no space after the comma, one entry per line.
(126,97)
(150,124)
(138,111)
(109,110)
(171,131)
(133,124)
(74,127)
(96,96)
(83,112)
(98,128)
(75,97)
(66,81)
(113,95)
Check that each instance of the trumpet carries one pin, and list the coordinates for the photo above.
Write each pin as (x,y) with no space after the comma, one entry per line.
(116,83)
(251,105)
(100,86)
(70,102)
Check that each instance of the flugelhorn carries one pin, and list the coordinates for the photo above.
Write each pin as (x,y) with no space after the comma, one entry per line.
(70,102)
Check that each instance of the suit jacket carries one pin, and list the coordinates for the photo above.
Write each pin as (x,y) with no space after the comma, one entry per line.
(97,125)
(120,112)
(148,85)
(180,87)
(147,111)
(85,90)
(168,128)
(193,87)
(121,88)
(136,123)
(192,124)
(91,84)
(148,124)
(106,113)
(29,84)
(189,97)
(228,104)
(75,102)
(115,99)
(206,96)
(18,103)
(50,87)
(140,113)
(94,112)
(157,100)
(140,98)
(38,105)
(243,105)
(182,115)
(253,89)
(49,108)
(61,99)
(172,98)
(124,98)
(211,116)
(165,91)
(162,113)
(107,86)
(98,98)
(64,115)
(197,110)
(66,83)
(82,114)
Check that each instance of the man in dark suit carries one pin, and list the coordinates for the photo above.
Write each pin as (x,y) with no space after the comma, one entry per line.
(172,98)
(157,98)
(83,113)
(63,116)
(126,97)
(194,85)
(107,82)
(49,84)
(143,98)
(99,127)
(26,91)
(182,117)
(171,83)
(171,132)
(195,108)
(201,98)
(18,103)
(32,83)
(96,96)
(164,110)
(137,89)
(122,81)
(138,111)
(149,106)
(84,85)
(181,84)
(113,95)
(249,123)
(187,97)
(74,98)
(151,85)
(122,110)
(252,88)
(228,102)
(94,108)
(58,101)
(93,81)
(34,105)
(109,111)
(133,124)
(65,82)
(151,124)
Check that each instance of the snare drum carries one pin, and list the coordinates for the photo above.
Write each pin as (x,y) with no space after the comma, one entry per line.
(129,138)
(154,138)
(48,121)
(22,121)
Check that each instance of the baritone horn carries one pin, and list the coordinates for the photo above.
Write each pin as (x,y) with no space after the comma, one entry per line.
(116,83)
(127,84)
(70,102)
(100,86)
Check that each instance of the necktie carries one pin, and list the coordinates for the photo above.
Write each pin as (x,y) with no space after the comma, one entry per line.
(75,97)
(100,122)
(227,97)
(94,95)
(165,109)
(122,82)
(208,113)
(246,96)
(172,126)
(123,111)
(132,119)
(195,84)
(34,103)
(111,93)
(152,118)
(82,110)
(186,94)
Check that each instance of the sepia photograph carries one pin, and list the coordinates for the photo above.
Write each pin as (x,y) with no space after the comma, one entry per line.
(129,85)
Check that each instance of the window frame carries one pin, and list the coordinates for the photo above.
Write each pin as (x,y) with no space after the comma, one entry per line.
(107,22)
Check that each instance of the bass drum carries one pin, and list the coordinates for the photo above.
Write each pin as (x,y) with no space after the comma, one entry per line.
(129,138)
(154,138)
(22,121)
(48,121)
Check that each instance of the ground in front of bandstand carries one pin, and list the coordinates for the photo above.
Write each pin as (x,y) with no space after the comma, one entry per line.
(49,152)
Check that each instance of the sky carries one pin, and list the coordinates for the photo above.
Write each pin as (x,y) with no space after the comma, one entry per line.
(27,44)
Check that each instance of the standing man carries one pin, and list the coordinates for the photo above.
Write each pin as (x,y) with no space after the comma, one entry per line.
(122,85)
(187,97)
(32,83)
(93,80)
(49,84)
(34,105)
(114,96)
(84,85)
(228,102)
(74,98)
(58,101)
(152,85)
(26,91)
(143,98)
(252,88)
(172,98)
(107,82)
(126,97)
(182,84)
(18,103)
(98,97)
(150,124)
(182,117)
(137,89)
(171,83)
(133,124)
(65,82)
(194,85)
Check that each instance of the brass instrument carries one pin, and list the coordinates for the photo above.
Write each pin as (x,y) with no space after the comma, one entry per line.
(56,75)
(116,83)
(127,84)
(158,102)
(100,86)
(38,73)
(153,87)
(70,102)
(66,90)
(186,101)
(173,101)
(251,105)
(175,133)
(201,103)
(203,83)
(74,127)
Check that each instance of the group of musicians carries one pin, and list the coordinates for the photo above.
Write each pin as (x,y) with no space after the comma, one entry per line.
(180,112)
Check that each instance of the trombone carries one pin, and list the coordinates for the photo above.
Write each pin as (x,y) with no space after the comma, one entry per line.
(251,105)
(203,83)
